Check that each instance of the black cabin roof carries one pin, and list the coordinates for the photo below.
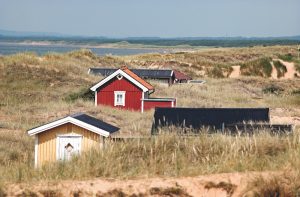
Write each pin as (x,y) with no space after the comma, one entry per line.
(198,117)
(145,73)
(95,122)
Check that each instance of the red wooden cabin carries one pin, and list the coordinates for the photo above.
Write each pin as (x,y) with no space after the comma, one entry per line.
(124,89)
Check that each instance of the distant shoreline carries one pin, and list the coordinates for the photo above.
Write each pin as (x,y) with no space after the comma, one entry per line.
(118,45)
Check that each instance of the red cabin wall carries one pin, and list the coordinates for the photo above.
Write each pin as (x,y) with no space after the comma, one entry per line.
(133,95)
(152,104)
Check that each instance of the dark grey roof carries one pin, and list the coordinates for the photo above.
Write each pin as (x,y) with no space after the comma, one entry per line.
(95,122)
(215,117)
(102,71)
(144,73)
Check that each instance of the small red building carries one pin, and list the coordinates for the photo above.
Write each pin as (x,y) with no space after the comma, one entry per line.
(124,89)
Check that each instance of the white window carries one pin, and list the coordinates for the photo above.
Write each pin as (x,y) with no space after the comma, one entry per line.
(119,98)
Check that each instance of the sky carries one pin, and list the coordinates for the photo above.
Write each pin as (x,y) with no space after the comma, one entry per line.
(153,18)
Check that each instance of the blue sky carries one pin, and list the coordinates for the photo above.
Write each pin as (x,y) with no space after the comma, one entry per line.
(164,18)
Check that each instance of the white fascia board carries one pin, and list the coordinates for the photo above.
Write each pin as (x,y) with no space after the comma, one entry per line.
(108,78)
(159,99)
(68,120)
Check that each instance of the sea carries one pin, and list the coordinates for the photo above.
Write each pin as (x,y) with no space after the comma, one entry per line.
(13,48)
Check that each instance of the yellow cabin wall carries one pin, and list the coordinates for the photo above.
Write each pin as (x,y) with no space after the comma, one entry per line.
(47,141)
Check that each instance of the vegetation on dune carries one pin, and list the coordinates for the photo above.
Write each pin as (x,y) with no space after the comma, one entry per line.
(260,67)
(165,155)
(286,57)
(38,89)
(281,69)
(283,184)
(219,71)
(210,62)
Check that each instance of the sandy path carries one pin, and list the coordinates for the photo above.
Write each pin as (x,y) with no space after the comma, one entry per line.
(190,186)
(274,72)
(236,72)
(290,67)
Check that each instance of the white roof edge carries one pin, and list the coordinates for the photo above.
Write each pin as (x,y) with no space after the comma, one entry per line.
(68,119)
(119,71)
(159,99)
(172,73)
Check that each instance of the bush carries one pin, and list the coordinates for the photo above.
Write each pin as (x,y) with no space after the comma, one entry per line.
(281,69)
(260,67)
(219,71)
(215,72)
(287,57)
(296,92)
(287,184)
(85,94)
(273,89)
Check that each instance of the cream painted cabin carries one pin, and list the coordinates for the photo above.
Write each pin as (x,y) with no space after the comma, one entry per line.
(72,135)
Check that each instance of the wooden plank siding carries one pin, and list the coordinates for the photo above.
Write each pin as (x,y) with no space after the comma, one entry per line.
(47,141)
(133,95)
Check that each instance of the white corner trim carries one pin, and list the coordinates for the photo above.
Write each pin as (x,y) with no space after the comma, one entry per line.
(57,148)
(96,98)
(68,120)
(118,72)
(36,149)
(142,102)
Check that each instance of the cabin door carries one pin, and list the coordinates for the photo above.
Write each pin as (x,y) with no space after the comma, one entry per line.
(68,146)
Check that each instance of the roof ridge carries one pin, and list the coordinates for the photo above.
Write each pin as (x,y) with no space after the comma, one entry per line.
(137,78)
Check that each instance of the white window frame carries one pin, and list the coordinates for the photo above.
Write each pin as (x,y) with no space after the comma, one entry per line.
(116,93)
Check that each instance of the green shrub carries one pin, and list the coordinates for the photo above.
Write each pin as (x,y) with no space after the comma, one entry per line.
(85,94)
(260,67)
(215,72)
(219,71)
(286,57)
(281,69)
(296,92)
(287,184)
(297,67)
(272,89)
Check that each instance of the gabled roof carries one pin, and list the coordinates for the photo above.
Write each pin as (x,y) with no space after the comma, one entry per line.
(144,73)
(81,120)
(181,76)
(140,80)
(125,72)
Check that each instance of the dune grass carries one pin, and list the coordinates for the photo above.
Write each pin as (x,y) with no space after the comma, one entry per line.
(165,155)
(260,67)
(38,89)
(280,184)
(281,69)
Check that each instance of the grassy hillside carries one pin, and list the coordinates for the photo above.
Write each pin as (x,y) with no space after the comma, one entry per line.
(37,89)
(216,62)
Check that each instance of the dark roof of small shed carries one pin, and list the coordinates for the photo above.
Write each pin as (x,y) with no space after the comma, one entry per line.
(95,122)
(144,73)
(198,117)
(98,126)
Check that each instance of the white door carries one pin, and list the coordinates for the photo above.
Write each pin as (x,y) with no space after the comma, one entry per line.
(68,146)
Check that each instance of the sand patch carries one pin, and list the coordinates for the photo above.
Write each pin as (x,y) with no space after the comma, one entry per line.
(226,184)
(236,72)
